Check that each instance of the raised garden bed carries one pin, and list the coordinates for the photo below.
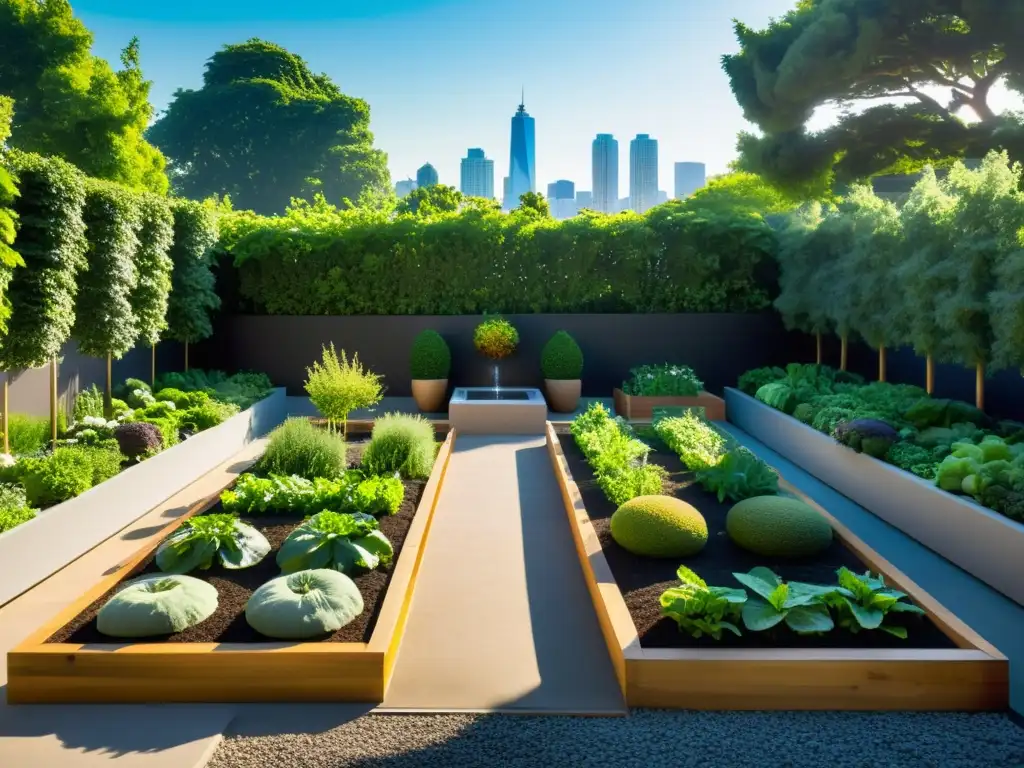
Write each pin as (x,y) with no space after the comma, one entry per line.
(986,544)
(40,547)
(942,665)
(222,659)
(636,408)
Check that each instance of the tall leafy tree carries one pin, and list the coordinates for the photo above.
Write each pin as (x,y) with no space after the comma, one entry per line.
(192,297)
(934,61)
(153,265)
(428,201)
(105,323)
(263,129)
(800,259)
(9,257)
(71,104)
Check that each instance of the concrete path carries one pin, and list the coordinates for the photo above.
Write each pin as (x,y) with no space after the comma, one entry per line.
(501,619)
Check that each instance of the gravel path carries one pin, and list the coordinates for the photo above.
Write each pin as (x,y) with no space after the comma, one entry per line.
(647,739)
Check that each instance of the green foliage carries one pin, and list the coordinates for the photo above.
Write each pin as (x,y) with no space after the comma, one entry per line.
(403,444)
(430,201)
(27,434)
(9,257)
(192,296)
(153,266)
(51,240)
(206,415)
(779,395)
(88,402)
(800,606)
(495,338)
(344,542)
(664,380)
(67,472)
(702,610)
(864,602)
(619,460)
(350,492)
(802,260)
(739,475)
(14,508)
(264,129)
(338,386)
(698,444)
(298,447)
(240,389)
(104,322)
(754,379)
(431,358)
(870,436)
(70,103)
(561,359)
(201,541)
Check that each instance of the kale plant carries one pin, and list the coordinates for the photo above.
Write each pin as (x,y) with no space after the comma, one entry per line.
(344,542)
(739,475)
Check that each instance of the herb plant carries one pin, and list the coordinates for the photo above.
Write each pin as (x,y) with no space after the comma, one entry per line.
(698,444)
(14,508)
(618,459)
(202,540)
(338,386)
(863,602)
(662,381)
(702,610)
(739,475)
(495,338)
(299,447)
(801,606)
(344,542)
(403,444)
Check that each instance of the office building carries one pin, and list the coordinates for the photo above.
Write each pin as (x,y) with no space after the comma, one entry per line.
(662,197)
(689,178)
(622,204)
(643,173)
(522,170)
(426,176)
(584,199)
(477,175)
(605,169)
(562,190)
(505,194)
(404,187)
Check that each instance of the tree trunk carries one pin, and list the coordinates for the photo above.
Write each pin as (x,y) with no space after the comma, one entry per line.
(842,352)
(817,342)
(53,402)
(186,357)
(929,374)
(6,421)
(979,386)
(152,366)
(108,393)
(881,363)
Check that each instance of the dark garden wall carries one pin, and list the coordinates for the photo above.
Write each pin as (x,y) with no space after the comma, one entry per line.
(30,390)
(718,346)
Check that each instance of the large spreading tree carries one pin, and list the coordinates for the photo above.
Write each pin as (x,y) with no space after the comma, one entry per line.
(933,63)
(71,104)
(264,129)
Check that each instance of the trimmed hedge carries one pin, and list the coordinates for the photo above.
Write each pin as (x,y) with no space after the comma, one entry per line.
(192,297)
(153,265)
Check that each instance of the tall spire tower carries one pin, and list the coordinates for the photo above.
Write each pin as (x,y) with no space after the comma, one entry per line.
(522,170)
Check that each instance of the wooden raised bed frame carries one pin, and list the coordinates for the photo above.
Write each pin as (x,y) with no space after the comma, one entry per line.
(636,408)
(66,673)
(972,677)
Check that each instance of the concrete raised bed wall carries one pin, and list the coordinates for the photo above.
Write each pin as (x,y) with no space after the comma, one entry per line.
(984,543)
(57,536)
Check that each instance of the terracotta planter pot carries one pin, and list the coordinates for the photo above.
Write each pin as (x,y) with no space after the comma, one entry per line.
(429,394)
(563,394)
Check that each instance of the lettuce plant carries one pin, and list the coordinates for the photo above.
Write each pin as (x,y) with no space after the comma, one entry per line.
(739,475)
(863,602)
(702,610)
(201,540)
(344,542)
(291,494)
(801,606)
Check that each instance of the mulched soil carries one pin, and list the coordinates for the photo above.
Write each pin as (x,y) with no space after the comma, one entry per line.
(642,579)
(228,624)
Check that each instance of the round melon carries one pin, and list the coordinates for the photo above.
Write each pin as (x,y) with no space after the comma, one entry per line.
(778,526)
(659,526)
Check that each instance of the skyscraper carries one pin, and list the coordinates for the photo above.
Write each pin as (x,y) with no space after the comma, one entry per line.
(426,176)
(562,199)
(477,175)
(605,164)
(643,173)
(584,199)
(522,170)
(689,178)
(404,187)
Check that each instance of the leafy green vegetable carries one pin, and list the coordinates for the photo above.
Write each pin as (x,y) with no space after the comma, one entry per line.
(702,610)
(291,494)
(739,475)
(698,444)
(344,542)
(662,381)
(779,395)
(754,379)
(202,539)
(863,602)
(800,606)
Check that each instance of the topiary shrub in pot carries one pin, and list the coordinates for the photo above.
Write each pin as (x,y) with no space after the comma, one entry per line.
(561,362)
(430,363)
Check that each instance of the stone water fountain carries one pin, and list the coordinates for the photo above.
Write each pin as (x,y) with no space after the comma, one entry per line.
(498,410)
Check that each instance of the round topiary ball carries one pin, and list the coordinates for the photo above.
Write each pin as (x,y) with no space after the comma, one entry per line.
(778,526)
(659,526)
(304,604)
(157,605)
(495,338)
(562,358)
(431,358)
(138,438)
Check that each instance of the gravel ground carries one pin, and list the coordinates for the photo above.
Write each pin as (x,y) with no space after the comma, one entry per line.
(647,739)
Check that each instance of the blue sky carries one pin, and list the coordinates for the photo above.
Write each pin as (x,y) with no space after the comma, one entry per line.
(445,75)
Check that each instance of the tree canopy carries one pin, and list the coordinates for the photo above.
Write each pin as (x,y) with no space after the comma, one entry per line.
(9,258)
(938,59)
(264,129)
(71,104)
(192,297)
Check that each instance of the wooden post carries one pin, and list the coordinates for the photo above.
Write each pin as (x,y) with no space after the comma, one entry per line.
(108,392)
(842,353)
(817,341)
(929,374)
(53,402)
(152,366)
(186,357)
(881,363)
(6,421)
(979,386)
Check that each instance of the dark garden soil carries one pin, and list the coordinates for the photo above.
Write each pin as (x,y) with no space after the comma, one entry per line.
(643,579)
(228,624)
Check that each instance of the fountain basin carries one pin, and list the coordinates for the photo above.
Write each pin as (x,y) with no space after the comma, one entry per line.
(498,411)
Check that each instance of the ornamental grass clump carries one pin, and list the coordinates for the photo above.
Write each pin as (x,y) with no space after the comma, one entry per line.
(338,386)
(298,447)
(401,444)
(495,338)
(431,358)
(561,358)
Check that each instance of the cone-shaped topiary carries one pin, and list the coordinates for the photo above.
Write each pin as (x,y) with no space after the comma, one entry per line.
(157,605)
(778,526)
(431,358)
(304,604)
(562,358)
(659,526)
